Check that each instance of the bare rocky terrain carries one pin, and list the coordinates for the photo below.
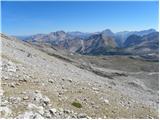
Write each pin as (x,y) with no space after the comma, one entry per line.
(39,81)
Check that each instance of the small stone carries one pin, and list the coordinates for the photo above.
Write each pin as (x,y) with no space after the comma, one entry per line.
(19,99)
(81,115)
(15,100)
(5,77)
(143,106)
(85,99)
(96,92)
(113,111)
(74,116)
(106,101)
(11,69)
(88,117)
(4,83)
(50,80)
(70,80)
(31,106)
(95,89)
(110,87)
(40,110)
(23,80)
(23,92)
(104,117)
(60,94)
(25,98)
(38,97)
(17,83)
(13,85)
(92,103)
(1,92)
(37,91)
(29,55)
(53,110)
(46,100)
(62,87)
(66,111)
(47,114)
(61,109)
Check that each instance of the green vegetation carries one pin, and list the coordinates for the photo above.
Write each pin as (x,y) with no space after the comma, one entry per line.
(77,104)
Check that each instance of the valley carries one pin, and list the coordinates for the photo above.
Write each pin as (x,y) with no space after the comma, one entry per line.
(53,78)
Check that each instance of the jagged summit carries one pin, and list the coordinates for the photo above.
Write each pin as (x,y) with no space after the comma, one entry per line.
(101,43)
(107,32)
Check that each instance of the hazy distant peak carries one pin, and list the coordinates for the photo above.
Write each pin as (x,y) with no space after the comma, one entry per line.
(107,32)
(58,32)
(140,31)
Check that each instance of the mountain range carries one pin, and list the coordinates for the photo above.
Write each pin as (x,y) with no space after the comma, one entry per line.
(142,43)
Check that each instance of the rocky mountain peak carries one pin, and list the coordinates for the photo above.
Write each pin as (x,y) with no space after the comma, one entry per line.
(58,33)
(107,32)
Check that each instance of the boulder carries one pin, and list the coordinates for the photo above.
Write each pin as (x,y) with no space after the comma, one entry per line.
(33,107)
(5,111)
(30,115)
(53,111)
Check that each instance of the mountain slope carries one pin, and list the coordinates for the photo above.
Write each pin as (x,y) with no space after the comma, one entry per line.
(146,46)
(121,37)
(42,82)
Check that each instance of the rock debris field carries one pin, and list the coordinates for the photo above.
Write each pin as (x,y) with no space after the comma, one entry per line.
(37,85)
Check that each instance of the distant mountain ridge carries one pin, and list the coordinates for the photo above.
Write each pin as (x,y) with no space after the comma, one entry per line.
(122,36)
(101,43)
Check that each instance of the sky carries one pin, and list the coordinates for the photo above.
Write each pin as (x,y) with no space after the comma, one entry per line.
(28,17)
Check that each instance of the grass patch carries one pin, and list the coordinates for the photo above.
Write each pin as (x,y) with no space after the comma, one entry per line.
(11,59)
(77,104)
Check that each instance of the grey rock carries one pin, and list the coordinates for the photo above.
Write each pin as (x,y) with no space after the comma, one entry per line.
(29,55)
(106,101)
(1,92)
(15,100)
(12,85)
(37,91)
(33,107)
(4,102)
(66,111)
(5,111)
(25,98)
(51,81)
(47,114)
(30,115)
(17,83)
(70,80)
(61,109)
(41,99)
(82,115)
(53,111)
(46,100)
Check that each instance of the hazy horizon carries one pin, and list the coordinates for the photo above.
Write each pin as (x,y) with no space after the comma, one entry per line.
(82,32)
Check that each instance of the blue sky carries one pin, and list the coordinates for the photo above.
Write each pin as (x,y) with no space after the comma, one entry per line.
(26,18)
